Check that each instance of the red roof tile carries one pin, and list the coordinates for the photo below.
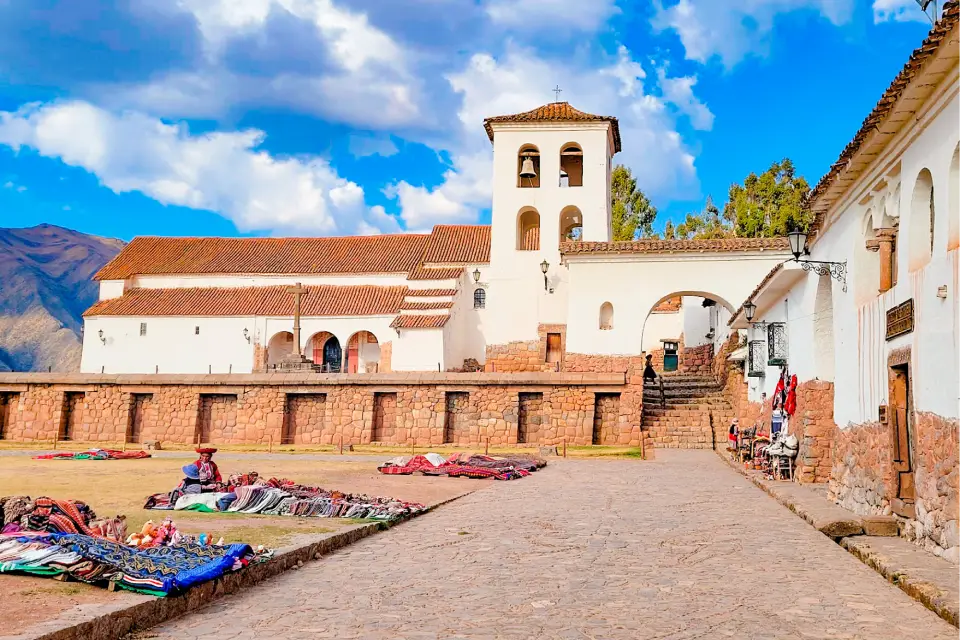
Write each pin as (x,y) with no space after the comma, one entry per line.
(326,300)
(419,322)
(425,306)
(555,112)
(884,108)
(397,253)
(430,293)
(426,273)
(460,243)
(671,246)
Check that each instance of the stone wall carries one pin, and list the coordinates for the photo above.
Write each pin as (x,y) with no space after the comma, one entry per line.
(322,408)
(516,357)
(386,358)
(862,477)
(814,426)
(697,360)
(936,477)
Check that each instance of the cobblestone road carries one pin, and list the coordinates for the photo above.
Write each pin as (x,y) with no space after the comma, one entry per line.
(678,548)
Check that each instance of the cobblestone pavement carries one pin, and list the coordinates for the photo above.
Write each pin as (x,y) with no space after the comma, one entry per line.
(678,548)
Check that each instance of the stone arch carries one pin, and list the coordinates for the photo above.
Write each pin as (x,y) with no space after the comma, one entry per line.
(279,347)
(571,165)
(363,353)
(823,342)
(922,221)
(606,316)
(532,153)
(571,224)
(528,229)
(313,347)
(711,316)
(953,219)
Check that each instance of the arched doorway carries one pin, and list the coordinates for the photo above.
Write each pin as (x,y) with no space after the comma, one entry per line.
(279,347)
(686,327)
(324,349)
(363,353)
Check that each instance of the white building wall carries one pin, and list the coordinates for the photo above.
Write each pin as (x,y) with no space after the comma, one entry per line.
(111,289)
(465,332)
(635,284)
(419,350)
(696,322)
(517,299)
(661,326)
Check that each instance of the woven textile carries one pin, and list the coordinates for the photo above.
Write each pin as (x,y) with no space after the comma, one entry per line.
(162,569)
(95,454)
(465,466)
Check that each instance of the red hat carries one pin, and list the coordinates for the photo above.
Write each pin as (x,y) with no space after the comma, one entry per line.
(209,450)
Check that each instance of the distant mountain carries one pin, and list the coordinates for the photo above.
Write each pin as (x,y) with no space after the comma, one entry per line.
(46,283)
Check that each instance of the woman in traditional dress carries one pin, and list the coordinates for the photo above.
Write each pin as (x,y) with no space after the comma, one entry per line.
(209,473)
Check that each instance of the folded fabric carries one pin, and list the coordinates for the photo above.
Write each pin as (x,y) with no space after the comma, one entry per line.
(95,454)
(199,501)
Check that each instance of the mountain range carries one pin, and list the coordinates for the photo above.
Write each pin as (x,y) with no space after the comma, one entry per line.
(46,283)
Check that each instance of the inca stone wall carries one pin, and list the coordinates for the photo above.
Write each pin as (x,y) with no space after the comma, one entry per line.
(814,426)
(936,477)
(316,408)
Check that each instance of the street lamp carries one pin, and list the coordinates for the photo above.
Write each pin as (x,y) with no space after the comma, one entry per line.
(749,309)
(476,275)
(102,339)
(798,247)
(246,334)
(544,267)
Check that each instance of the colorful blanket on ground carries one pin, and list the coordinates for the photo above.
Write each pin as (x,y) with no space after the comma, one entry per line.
(154,570)
(461,465)
(58,516)
(283,497)
(95,454)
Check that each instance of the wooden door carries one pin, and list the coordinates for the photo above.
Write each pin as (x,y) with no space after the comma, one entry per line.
(554,348)
(900,428)
(384,417)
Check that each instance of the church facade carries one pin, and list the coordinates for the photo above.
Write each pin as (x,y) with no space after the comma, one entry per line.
(540,285)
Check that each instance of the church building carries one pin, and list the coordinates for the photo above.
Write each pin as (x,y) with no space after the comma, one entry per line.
(542,284)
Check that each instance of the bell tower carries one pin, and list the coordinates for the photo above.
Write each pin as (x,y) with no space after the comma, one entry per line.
(551,183)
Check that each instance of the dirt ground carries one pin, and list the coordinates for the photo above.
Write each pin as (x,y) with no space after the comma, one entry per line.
(113,487)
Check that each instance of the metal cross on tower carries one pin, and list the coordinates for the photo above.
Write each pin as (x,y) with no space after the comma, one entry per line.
(557,90)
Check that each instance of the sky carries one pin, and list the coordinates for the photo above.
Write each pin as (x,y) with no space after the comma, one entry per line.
(335,117)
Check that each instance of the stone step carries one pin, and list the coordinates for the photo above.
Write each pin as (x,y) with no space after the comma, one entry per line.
(709,400)
(702,384)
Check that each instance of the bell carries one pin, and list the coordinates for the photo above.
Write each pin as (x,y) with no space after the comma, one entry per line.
(526,169)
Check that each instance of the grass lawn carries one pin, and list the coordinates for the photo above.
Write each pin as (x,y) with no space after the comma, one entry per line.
(120,487)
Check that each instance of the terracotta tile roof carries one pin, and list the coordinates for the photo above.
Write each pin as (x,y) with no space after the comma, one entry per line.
(397,253)
(460,243)
(326,300)
(766,279)
(671,246)
(817,202)
(430,293)
(419,322)
(670,305)
(425,306)
(425,273)
(555,112)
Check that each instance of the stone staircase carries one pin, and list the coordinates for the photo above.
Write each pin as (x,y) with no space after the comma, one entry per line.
(691,412)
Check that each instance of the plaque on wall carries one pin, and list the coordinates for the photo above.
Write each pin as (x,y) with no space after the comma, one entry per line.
(900,319)
(883,414)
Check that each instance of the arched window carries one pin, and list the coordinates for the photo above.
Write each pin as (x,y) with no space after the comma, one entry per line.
(479,298)
(953,226)
(528,166)
(606,316)
(922,218)
(571,165)
(528,231)
(571,224)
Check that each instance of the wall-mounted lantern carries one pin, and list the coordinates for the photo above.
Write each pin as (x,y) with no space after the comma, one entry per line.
(246,334)
(476,275)
(102,338)
(544,267)
(798,247)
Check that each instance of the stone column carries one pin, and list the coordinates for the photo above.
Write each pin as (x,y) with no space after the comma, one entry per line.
(886,245)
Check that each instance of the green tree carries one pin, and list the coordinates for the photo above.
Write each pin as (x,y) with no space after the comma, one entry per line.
(704,225)
(770,204)
(668,232)
(631,211)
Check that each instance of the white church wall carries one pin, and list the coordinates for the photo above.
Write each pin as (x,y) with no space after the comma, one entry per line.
(419,350)
(517,301)
(661,326)
(111,289)
(635,286)
(170,345)
(465,332)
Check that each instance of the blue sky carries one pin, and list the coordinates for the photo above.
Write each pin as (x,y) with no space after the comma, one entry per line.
(331,117)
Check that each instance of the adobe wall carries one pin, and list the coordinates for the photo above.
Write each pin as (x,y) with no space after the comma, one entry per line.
(814,426)
(322,408)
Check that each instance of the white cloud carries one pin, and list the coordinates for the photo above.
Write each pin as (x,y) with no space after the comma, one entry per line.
(733,30)
(679,92)
(897,10)
(518,81)
(220,171)
(538,15)
(361,76)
